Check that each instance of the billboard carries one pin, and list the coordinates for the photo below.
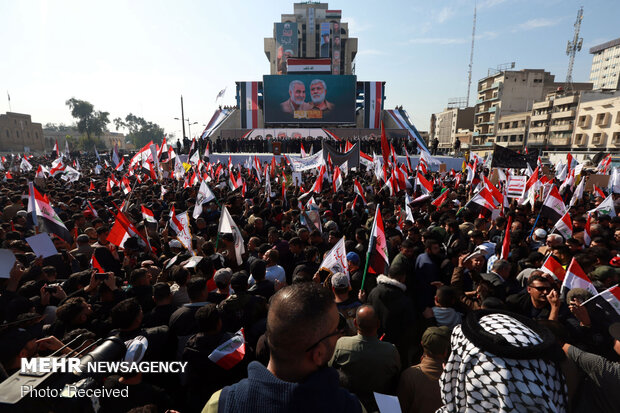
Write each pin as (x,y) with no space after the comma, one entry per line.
(336,49)
(309,98)
(325,39)
(286,44)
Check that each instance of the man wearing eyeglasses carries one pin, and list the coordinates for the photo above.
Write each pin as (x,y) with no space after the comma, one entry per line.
(540,301)
(303,326)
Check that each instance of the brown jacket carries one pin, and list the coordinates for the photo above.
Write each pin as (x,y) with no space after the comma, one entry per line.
(418,390)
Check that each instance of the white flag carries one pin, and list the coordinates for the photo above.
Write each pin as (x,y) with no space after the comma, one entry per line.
(336,259)
(204,195)
(606,207)
(228,226)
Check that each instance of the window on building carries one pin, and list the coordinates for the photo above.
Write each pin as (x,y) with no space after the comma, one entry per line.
(616,138)
(601,119)
(17,133)
(597,138)
(8,135)
(580,139)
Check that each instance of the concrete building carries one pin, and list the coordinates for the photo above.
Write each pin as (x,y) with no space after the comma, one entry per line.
(597,127)
(512,130)
(605,72)
(19,134)
(108,138)
(311,20)
(445,126)
(508,92)
(552,121)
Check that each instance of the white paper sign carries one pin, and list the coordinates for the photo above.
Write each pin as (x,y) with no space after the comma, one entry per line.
(7,260)
(42,245)
(387,403)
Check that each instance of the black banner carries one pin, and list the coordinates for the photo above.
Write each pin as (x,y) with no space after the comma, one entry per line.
(507,158)
(352,157)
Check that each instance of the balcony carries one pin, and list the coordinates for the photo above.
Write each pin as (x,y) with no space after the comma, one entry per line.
(561,128)
(492,109)
(541,105)
(536,139)
(543,116)
(563,114)
(538,129)
(564,141)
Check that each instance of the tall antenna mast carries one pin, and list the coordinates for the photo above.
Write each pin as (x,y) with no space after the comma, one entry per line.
(471,55)
(572,48)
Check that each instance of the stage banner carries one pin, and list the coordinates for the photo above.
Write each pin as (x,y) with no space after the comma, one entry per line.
(305,99)
(373,104)
(248,92)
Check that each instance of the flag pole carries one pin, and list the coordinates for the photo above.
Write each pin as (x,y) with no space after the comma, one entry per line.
(365,268)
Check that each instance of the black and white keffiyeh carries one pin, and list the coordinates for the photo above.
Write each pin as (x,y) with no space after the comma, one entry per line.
(501,364)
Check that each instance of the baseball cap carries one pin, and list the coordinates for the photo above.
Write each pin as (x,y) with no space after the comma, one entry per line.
(340,280)
(436,340)
(353,257)
(222,276)
(13,340)
(239,279)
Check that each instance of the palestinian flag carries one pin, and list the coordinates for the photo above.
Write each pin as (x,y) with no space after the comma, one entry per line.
(377,256)
(45,217)
(554,268)
(577,278)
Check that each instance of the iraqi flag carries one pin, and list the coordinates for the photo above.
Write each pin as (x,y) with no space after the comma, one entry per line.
(148,216)
(482,203)
(337,179)
(122,230)
(577,278)
(440,199)
(44,216)
(554,268)
(179,223)
(228,354)
(553,207)
(564,226)
(56,149)
(605,305)
(506,242)
(587,232)
(228,226)
(377,256)
(357,188)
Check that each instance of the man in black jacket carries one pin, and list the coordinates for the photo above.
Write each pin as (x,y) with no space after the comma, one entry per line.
(395,310)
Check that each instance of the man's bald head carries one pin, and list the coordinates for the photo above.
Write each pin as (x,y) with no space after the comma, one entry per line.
(366,320)
(298,317)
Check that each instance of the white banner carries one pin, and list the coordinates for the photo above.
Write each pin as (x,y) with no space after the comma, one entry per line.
(299,164)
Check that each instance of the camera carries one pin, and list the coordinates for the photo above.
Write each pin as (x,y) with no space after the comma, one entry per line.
(101,276)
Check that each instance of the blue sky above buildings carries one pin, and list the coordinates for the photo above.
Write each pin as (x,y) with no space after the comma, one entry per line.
(140,56)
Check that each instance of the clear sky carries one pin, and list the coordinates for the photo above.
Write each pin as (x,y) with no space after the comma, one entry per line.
(140,56)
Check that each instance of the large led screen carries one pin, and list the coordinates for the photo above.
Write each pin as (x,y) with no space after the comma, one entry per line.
(309,99)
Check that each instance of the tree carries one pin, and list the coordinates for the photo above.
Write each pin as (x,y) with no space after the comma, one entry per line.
(141,131)
(89,121)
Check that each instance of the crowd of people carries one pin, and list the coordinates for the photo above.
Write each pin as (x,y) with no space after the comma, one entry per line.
(264,144)
(451,325)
